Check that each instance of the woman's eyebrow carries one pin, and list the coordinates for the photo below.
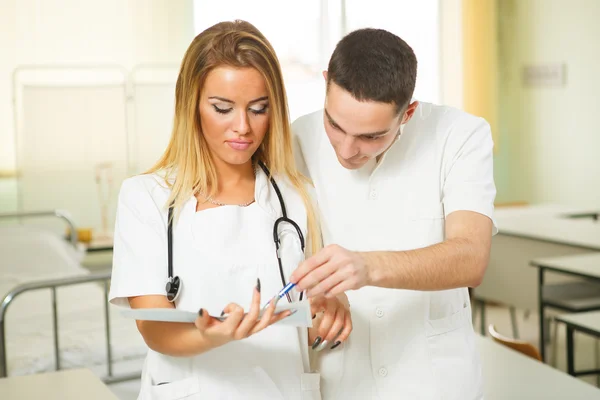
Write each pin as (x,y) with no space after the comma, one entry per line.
(231,101)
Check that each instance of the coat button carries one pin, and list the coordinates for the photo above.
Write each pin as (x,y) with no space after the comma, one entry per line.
(373,194)
(379,312)
(383,372)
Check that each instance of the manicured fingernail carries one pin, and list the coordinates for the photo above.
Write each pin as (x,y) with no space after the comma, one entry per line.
(289,313)
(258,285)
(336,345)
(275,300)
(200,312)
(222,313)
(322,345)
(316,342)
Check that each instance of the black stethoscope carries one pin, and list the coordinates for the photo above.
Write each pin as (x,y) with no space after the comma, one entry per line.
(174,284)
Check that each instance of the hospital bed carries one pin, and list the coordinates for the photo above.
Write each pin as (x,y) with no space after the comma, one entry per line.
(54,314)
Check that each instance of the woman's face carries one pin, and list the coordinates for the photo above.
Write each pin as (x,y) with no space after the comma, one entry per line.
(234,113)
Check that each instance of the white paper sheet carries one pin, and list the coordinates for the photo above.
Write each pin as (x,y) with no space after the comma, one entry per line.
(300,318)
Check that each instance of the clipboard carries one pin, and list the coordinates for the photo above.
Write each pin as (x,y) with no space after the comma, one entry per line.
(300,318)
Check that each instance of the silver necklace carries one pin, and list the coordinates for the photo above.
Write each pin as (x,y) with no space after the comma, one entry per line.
(218,203)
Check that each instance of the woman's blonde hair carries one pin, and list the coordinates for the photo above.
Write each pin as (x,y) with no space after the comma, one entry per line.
(187,163)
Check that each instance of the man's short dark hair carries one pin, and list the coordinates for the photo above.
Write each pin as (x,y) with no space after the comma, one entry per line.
(376,65)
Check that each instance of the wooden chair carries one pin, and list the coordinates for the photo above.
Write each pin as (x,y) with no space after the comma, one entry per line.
(523,347)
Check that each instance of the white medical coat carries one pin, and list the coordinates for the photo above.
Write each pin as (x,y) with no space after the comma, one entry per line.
(405,344)
(218,253)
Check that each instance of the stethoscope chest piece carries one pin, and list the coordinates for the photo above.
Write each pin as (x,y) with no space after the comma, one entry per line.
(173,288)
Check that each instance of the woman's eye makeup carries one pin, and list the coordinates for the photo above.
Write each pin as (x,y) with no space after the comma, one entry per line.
(257,110)
(221,110)
(260,110)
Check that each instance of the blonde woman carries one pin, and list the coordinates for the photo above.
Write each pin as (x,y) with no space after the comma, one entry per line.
(202,221)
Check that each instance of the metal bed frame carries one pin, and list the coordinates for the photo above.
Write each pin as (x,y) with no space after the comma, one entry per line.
(64,215)
(53,285)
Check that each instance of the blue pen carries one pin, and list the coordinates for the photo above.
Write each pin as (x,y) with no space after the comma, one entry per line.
(281,293)
(278,296)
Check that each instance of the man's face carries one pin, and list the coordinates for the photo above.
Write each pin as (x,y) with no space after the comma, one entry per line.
(360,130)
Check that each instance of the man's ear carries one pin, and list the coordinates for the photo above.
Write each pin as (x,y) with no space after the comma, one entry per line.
(325,75)
(410,111)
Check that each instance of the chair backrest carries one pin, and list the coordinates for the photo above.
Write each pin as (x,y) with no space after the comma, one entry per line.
(523,347)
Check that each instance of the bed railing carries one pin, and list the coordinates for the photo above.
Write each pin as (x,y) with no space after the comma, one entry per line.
(53,285)
(64,215)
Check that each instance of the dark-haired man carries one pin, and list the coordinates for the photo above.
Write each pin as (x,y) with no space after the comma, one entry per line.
(406,193)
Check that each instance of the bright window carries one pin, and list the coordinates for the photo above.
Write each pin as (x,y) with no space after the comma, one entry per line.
(417,23)
(304,34)
(296,31)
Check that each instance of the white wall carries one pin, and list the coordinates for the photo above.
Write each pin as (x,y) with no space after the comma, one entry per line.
(122,32)
(550,136)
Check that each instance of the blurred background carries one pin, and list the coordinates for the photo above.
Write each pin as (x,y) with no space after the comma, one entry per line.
(87,95)
(86,87)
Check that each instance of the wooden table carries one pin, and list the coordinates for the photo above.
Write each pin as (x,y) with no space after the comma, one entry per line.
(75,384)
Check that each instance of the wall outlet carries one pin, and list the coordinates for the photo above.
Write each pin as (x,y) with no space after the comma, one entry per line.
(545,75)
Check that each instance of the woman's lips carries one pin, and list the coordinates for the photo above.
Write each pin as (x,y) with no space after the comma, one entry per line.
(239,144)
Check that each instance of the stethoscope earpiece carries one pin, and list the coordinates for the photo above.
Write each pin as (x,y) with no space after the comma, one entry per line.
(173,288)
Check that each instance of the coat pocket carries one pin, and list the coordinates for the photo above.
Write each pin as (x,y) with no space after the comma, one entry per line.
(449,323)
(453,355)
(427,210)
(188,388)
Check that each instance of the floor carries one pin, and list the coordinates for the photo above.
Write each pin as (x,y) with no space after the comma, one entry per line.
(500,317)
